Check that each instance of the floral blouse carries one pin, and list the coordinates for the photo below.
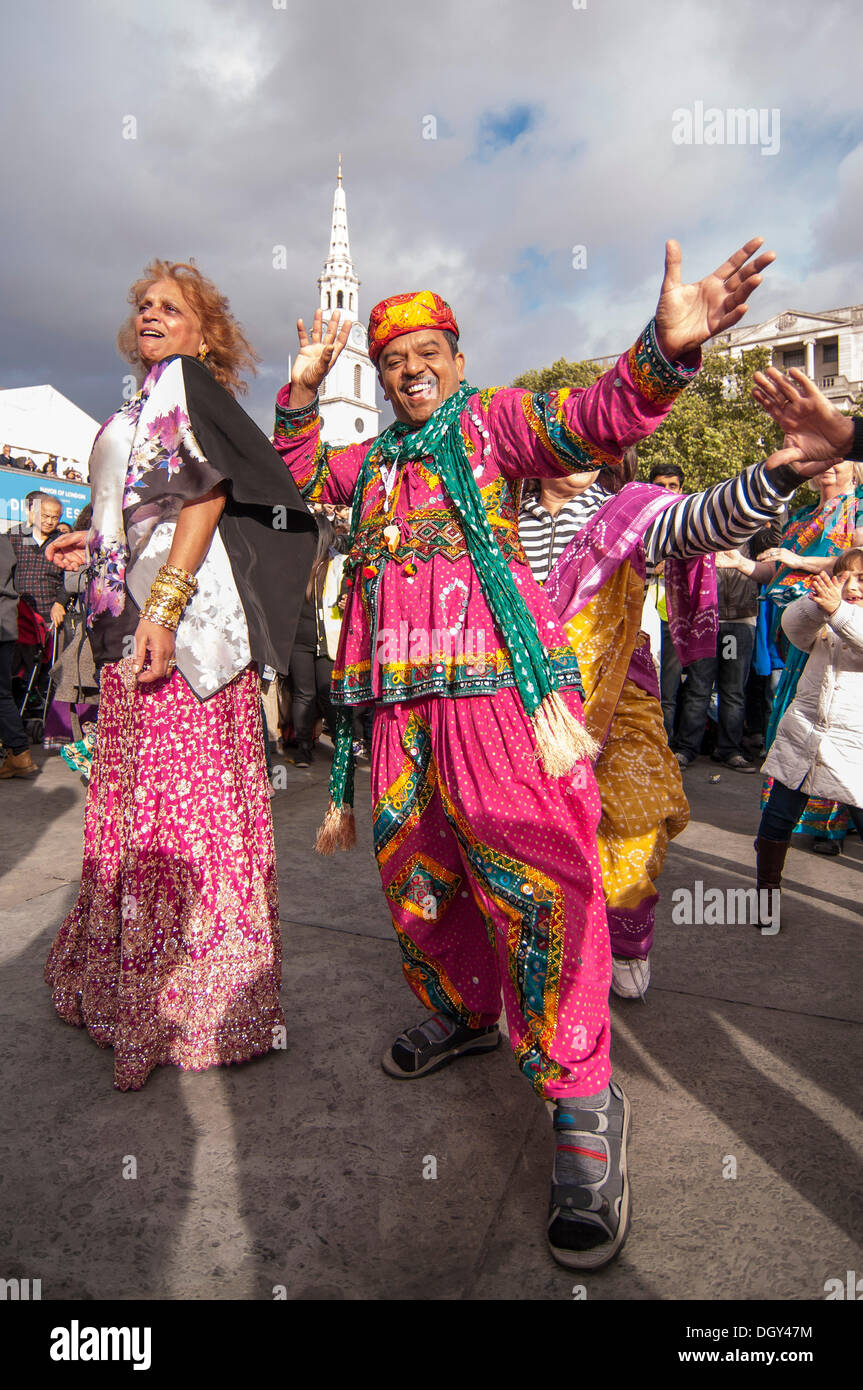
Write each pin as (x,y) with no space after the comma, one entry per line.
(146,463)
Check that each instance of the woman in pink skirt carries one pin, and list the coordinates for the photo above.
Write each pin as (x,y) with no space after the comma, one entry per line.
(197,558)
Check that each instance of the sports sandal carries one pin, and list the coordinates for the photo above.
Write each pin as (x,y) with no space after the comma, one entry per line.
(588,1222)
(433,1043)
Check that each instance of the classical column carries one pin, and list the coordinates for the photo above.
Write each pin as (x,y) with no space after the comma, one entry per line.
(809,345)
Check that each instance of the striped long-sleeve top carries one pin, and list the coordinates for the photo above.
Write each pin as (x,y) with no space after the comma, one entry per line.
(716,519)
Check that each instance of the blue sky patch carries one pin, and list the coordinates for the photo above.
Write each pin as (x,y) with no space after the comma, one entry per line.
(499,129)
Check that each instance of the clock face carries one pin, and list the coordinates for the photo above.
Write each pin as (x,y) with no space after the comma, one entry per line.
(358,335)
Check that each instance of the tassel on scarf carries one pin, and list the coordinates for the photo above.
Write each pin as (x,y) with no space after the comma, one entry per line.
(338,830)
(561,741)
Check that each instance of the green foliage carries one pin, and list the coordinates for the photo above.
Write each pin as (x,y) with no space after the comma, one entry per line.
(714,429)
(560,373)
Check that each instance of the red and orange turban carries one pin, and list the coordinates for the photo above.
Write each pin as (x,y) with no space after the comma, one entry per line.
(407,313)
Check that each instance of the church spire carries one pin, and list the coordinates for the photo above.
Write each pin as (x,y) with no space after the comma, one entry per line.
(349,414)
(338,284)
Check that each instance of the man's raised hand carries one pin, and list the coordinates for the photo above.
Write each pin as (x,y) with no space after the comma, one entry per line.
(316,355)
(809,421)
(687,315)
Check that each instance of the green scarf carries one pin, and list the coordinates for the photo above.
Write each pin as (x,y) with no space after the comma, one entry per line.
(561,741)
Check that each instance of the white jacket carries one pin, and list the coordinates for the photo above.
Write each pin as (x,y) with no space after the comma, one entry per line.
(329,601)
(819,742)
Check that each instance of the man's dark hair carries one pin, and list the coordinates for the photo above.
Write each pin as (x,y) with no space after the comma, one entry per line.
(42,498)
(667,470)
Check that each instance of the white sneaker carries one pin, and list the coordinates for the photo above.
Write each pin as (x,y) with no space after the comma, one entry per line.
(630,976)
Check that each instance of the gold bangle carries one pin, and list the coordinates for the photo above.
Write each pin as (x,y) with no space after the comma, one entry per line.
(167,593)
(155,604)
(174,573)
(169,596)
(160,619)
(170,586)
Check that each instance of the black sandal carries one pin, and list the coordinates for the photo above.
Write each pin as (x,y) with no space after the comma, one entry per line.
(434,1043)
(588,1222)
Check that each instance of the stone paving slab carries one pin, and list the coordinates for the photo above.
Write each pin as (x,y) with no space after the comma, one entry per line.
(306,1168)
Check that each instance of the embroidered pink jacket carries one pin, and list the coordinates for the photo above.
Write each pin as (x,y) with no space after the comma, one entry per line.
(416,620)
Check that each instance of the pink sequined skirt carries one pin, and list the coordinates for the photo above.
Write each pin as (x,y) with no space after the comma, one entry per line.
(172,953)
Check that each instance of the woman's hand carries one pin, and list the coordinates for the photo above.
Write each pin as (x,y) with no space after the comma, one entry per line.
(781,556)
(730,560)
(809,420)
(826,592)
(68,552)
(154,651)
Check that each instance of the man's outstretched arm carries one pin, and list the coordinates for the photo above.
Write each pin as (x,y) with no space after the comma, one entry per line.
(572,430)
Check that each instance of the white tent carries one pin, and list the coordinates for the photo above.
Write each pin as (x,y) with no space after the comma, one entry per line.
(38,420)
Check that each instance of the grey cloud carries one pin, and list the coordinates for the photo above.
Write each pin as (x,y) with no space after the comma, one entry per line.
(242,109)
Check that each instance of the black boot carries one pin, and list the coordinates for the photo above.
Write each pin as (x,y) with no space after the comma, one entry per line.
(769,862)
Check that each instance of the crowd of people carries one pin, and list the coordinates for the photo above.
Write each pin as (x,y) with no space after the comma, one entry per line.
(465,601)
(51,468)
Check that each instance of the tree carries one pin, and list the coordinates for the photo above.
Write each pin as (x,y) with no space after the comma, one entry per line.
(714,429)
(560,373)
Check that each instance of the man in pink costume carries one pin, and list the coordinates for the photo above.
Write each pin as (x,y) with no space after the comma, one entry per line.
(485,805)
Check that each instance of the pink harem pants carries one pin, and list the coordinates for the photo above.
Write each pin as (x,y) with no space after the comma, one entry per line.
(492,876)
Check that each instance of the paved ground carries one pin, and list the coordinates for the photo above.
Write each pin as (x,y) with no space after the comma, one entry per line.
(305,1168)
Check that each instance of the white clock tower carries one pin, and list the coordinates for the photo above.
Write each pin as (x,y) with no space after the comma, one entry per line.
(349,414)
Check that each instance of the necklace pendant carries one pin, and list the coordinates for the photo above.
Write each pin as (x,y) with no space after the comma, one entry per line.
(392,535)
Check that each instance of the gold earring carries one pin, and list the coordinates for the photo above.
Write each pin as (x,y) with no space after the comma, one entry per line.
(203,353)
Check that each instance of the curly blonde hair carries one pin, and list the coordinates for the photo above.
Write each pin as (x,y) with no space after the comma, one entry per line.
(230,352)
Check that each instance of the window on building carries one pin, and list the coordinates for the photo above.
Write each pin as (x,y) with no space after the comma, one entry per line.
(329,300)
(351,301)
(340,300)
(794,357)
(830,353)
(358,380)
(359,425)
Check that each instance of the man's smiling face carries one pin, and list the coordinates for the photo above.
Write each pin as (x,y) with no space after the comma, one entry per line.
(418,372)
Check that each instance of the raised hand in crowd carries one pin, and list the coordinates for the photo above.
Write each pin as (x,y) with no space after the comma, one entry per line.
(687,315)
(810,422)
(826,592)
(316,355)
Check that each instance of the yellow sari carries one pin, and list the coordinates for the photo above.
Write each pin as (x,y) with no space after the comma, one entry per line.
(643,802)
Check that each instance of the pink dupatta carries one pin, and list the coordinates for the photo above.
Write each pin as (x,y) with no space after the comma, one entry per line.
(616,534)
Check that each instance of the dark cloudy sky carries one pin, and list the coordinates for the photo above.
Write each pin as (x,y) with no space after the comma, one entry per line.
(554,129)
